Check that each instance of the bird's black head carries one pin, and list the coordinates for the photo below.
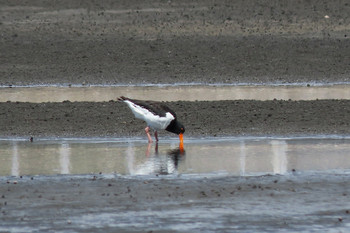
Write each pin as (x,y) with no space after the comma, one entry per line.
(176,127)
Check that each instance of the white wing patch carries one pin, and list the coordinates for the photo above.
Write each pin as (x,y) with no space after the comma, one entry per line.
(153,121)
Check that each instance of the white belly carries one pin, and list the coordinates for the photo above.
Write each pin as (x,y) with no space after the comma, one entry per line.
(153,121)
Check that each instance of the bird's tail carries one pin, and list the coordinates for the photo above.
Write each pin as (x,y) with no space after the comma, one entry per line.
(122,98)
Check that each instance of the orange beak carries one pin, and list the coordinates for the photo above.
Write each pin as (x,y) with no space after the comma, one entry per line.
(181,146)
(181,136)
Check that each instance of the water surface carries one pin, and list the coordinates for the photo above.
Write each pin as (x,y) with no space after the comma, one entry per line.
(213,185)
(173,93)
(235,156)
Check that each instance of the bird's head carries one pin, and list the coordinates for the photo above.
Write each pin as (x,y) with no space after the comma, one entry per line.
(180,128)
(176,127)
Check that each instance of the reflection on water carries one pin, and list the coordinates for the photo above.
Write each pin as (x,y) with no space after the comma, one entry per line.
(155,162)
(15,165)
(279,156)
(173,93)
(233,156)
(64,158)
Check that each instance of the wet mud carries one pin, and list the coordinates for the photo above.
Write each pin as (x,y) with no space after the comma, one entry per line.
(201,118)
(133,42)
(108,42)
(175,204)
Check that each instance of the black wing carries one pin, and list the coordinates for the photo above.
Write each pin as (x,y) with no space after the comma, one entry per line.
(155,107)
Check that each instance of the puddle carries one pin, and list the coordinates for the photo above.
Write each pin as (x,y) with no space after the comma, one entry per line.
(250,156)
(173,93)
(172,203)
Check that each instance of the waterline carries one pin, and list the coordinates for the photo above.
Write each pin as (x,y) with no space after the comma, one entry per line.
(173,93)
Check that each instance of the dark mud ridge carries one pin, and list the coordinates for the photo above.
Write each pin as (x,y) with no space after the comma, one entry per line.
(124,42)
(201,118)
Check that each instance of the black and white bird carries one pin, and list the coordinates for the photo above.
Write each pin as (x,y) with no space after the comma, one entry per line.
(157,116)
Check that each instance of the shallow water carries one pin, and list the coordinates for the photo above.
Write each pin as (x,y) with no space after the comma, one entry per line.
(234,156)
(174,93)
(214,185)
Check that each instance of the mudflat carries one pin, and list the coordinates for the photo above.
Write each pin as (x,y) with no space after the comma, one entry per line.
(201,118)
(103,203)
(128,42)
(158,42)
(125,42)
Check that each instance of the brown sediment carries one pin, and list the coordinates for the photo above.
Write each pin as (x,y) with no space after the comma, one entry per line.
(140,42)
(201,118)
(173,42)
(123,203)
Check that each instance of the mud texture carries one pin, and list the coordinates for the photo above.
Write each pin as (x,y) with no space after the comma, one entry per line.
(137,42)
(132,42)
(176,204)
(201,118)
(114,42)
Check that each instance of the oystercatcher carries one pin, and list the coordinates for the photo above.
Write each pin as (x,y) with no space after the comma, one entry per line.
(157,116)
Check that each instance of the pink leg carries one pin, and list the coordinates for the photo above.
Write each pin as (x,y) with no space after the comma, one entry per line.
(156,149)
(156,135)
(148,151)
(148,134)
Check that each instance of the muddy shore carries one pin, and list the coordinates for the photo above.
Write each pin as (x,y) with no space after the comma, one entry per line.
(100,203)
(74,42)
(201,118)
(124,42)
(134,42)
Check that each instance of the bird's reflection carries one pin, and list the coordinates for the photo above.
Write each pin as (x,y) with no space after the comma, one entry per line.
(176,155)
(164,165)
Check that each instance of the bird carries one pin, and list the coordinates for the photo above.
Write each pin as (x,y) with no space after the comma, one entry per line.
(157,116)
